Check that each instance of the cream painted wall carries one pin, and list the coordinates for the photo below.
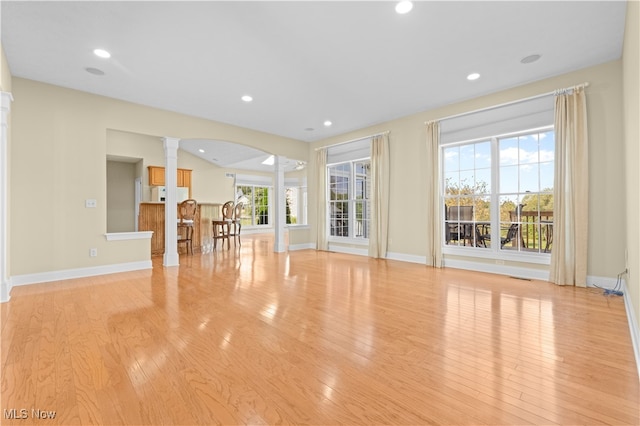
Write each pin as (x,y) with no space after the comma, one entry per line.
(59,149)
(631,101)
(407,153)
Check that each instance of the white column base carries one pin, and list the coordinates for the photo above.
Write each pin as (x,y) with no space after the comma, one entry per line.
(171,259)
(5,291)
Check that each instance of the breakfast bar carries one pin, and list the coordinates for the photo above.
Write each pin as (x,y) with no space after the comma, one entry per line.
(151,218)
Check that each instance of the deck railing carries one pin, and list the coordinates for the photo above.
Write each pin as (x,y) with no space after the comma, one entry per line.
(536,230)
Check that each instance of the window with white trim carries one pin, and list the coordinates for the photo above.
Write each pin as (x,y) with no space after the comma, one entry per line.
(349,187)
(296,201)
(498,193)
(256,204)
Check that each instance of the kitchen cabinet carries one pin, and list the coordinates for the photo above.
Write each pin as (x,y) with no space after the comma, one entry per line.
(184,179)
(156,176)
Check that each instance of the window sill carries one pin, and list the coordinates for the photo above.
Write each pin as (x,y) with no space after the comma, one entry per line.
(297,226)
(349,240)
(122,236)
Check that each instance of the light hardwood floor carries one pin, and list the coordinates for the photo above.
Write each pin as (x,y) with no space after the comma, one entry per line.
(251,336)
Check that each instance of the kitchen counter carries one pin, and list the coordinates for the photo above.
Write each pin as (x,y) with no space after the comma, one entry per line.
(151,218)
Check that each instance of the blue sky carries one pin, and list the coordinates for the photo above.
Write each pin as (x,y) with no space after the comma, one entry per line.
(526,163)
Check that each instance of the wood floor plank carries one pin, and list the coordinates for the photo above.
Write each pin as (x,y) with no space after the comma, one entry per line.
(248,336)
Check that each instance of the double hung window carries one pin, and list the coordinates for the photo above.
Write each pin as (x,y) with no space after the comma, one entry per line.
(498,193)
(349,187)
(296,204)
(256,204)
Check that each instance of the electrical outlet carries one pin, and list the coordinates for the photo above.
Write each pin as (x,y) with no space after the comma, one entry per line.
(93,252)
(90,203)
(499,262)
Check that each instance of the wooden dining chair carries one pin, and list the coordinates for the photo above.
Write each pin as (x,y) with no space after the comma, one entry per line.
(187,215)
(236,224)
(222,225)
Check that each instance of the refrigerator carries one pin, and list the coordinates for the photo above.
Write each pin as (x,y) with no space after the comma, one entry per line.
(159,194)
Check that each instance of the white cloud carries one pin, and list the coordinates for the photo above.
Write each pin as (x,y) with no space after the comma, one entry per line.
(514,155)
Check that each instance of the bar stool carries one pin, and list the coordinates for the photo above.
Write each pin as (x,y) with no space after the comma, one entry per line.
(236,224)
(222,226)
(187,211)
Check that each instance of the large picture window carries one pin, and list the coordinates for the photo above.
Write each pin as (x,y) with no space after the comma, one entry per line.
(256,204)
(498,193)
(349,187)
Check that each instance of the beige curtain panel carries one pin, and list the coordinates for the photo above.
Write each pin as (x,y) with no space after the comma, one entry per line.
(434,209)
(379,219)
(321,186)
(570,237)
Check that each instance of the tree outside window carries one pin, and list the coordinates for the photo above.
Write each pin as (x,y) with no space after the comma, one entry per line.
(256,204)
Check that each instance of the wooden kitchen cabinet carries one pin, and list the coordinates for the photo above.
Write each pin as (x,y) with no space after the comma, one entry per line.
(184,179)
(156,177)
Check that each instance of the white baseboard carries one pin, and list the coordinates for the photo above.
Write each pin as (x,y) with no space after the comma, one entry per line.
(601,282)
(633,327)
(349,250)
(512,271)
(67,274)
(294,247)
(411,258)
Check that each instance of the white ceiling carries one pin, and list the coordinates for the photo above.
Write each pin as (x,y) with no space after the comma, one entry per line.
(356,63)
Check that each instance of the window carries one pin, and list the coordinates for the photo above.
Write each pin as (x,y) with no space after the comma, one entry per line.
(256,204)
(498,193)
(296,205)
(467,189)
(349,187)
(296,201)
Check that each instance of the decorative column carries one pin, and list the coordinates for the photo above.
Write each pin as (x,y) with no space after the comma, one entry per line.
(279,202)
(5,285)
(171,202)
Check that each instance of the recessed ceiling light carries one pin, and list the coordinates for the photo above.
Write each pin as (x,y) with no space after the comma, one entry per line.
(94,71)
(201,150)
(529,59)
(327,123)
(101,53)
(404,7)
(247,98)
(473,76)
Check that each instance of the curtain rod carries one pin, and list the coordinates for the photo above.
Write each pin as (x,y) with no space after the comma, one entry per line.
(517,101)
(352,140)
